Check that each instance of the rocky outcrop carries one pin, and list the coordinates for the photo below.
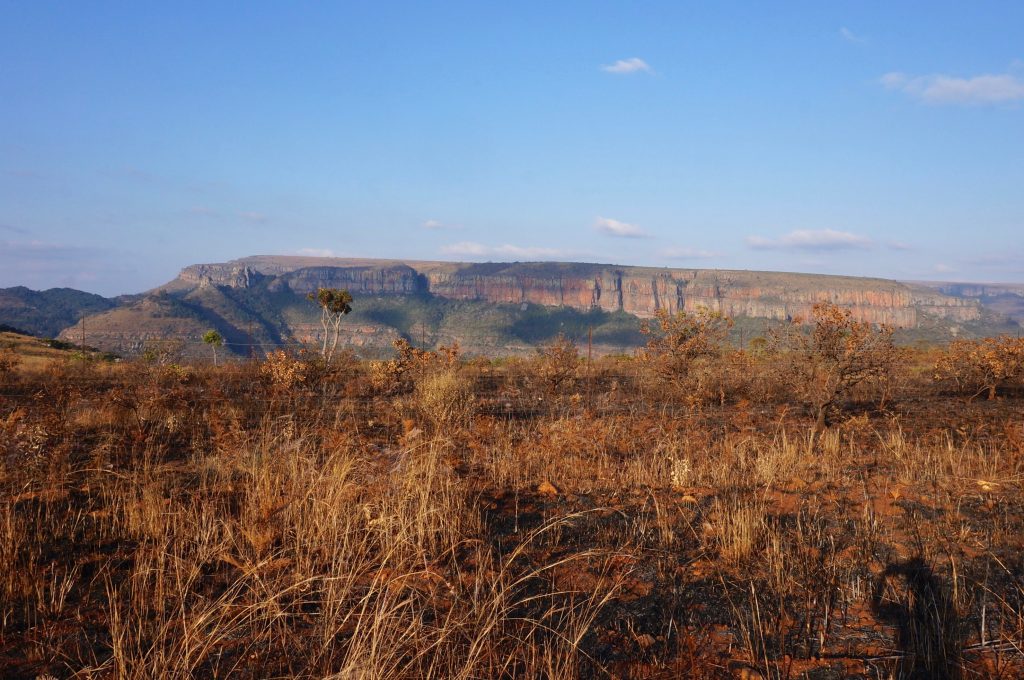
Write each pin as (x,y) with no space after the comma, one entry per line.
(640,291)
(1003,298)
(234,276)
(510,308)
(396,280)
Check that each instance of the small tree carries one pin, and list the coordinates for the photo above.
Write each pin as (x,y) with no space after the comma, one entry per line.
(214,340)
(833,355)
(557,363)
(680,341)
(334,304)
(982,366)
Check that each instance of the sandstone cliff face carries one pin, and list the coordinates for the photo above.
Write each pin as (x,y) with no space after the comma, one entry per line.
(235,276)
(399,280)
(635,290)
(1004,298)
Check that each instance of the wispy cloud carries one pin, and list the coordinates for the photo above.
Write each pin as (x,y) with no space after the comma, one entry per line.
(851,37)
(10,228)
(811,239)
(315,252)
(685,253)
(438,225)
(474,249)
(631,65)
(943,268)
(997,259)
(997,88)
(1006,265)
(254,217)
(39,264)
(132,172)
(203,211)
(56,251)
(610,227)
(26,173)
(248,216)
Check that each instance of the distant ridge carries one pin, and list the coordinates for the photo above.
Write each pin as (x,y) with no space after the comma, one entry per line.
(495,308)
(46,313)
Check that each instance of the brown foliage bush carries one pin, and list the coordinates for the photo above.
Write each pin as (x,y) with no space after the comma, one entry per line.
(823,362)
(399,375)
(556,365)
(9,362)
(283,370)
(981,366)
(684,348)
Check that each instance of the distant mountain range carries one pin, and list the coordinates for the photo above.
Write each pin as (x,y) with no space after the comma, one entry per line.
(46,313)
(258,303)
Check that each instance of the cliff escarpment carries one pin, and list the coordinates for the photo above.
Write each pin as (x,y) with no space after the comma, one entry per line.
(258,303)
(639,291)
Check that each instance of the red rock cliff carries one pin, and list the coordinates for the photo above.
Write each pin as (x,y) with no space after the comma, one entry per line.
(635,290)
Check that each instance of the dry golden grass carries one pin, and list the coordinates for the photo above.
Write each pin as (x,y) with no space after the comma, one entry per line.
(291,519)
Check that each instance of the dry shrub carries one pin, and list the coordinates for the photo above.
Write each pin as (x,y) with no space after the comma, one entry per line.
(739,375)
(283,370)
(974,367)
(556,365)
(162,351)
(822,363)
(9,362)
(399,375)
(341,369)
(171,375)
(683,350)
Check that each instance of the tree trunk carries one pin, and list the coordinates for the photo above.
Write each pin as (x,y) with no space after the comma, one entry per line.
(991,392)
(337,334)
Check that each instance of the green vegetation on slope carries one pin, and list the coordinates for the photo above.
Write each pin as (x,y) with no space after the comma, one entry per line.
(48,312)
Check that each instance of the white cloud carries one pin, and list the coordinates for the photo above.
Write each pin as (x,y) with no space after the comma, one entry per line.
(943,89)
(611,227)
(811,239)
(851,37)
(433,224)
(685,253)
(251,216)
(315,252)
(631,65)
(466,248)
(473,249)
(942,268)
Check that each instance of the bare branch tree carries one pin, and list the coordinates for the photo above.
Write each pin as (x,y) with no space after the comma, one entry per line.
(334,304)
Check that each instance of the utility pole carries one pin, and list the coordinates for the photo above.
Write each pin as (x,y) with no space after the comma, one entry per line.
(83,332)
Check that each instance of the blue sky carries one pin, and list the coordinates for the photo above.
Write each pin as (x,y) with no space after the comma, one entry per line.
(876,139)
